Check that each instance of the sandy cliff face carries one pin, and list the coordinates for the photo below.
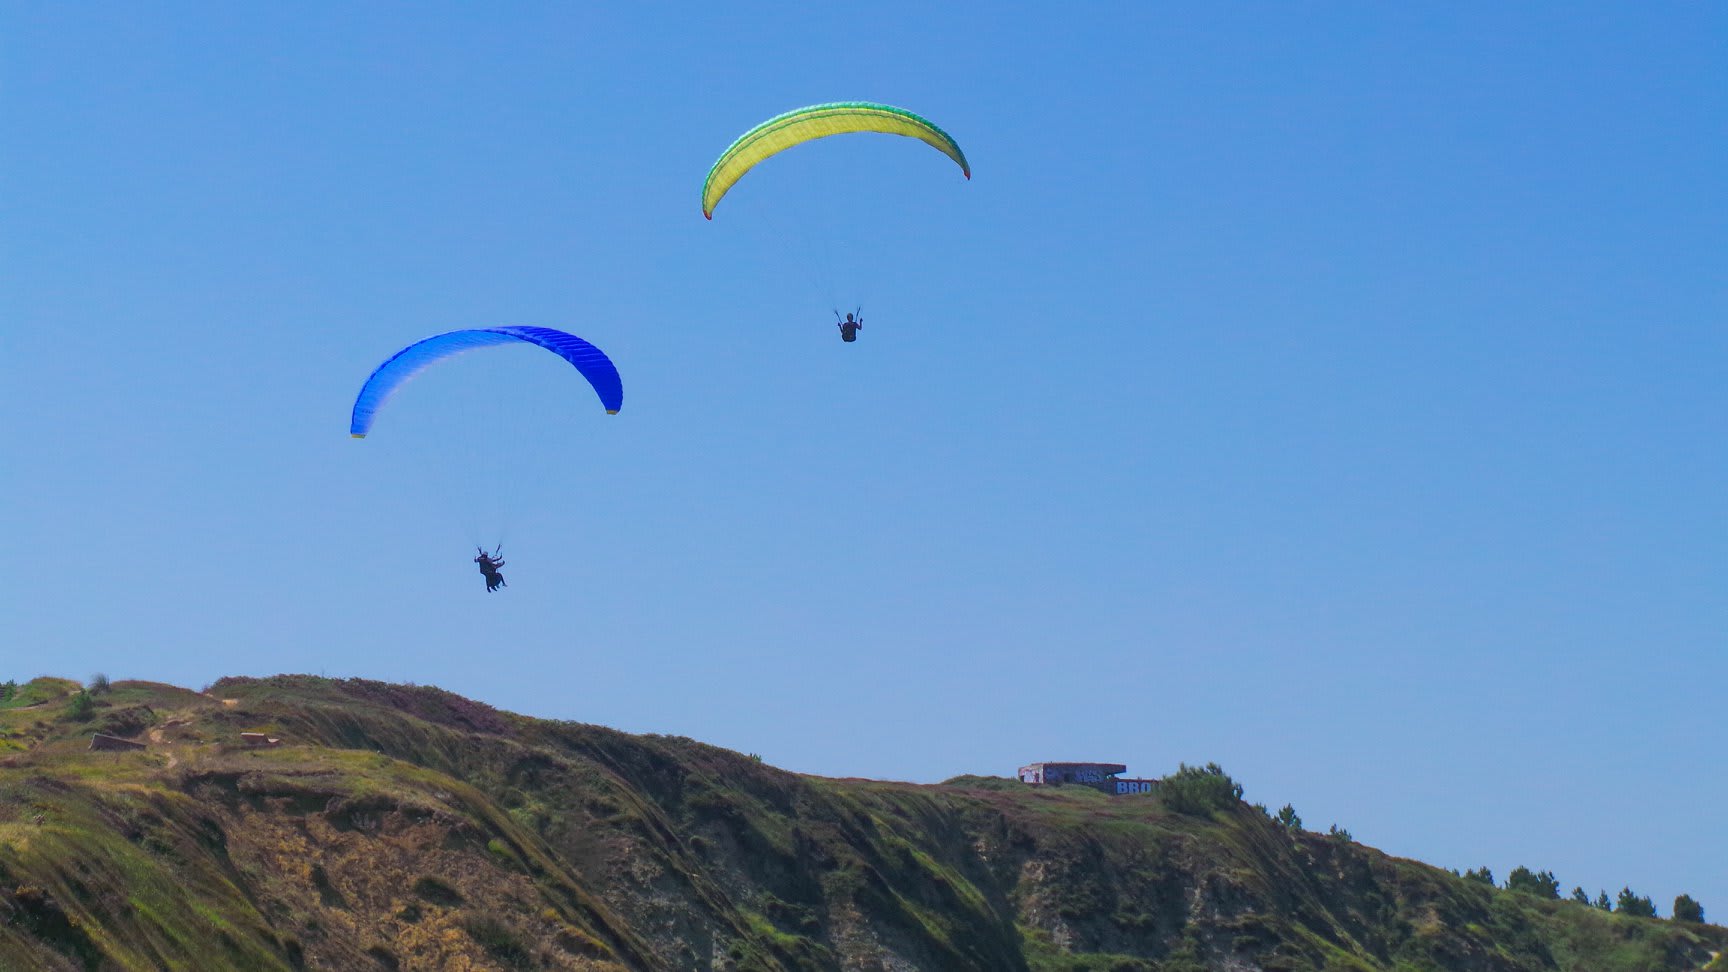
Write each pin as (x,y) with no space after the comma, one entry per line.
(408,828)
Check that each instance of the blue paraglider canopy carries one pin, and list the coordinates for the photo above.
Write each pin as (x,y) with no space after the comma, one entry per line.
(416,357)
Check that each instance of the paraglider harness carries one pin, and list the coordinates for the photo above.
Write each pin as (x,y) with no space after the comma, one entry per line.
(489,564)
(849,327)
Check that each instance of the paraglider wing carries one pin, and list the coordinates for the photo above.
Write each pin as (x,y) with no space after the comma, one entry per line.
(781,132)
(413,359)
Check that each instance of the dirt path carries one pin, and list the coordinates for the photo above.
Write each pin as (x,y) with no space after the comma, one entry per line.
(156,738)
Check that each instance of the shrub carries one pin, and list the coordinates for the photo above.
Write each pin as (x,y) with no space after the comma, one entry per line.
(1340,833)
(1686,909)
(80,707)
(1602,903)
(1197,791)
(98,684)
(1579,896)
(437,891)
(9,689)
(1634,904)
(1539,883)
(1289,819)
(1481,874)
(496,937)
(125,722)
(502,853)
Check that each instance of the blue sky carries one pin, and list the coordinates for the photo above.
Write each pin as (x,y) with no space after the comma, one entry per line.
(1336,393)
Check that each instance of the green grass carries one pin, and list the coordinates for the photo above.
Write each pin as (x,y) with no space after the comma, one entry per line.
(40,690)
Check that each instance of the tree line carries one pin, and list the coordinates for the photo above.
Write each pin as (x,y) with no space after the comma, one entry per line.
(1201,790)
(1543,884)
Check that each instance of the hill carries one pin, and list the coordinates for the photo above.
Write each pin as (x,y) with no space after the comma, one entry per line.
(402,827)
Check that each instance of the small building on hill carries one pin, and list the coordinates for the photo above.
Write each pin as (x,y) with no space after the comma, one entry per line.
(103,743)
(1104,777)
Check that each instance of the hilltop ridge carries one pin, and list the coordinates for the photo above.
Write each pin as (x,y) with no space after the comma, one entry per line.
(406,827)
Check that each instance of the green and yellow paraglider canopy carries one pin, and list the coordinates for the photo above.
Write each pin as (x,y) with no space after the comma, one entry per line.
(781,132)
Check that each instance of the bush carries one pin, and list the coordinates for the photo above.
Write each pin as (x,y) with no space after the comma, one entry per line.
(1197,791)
(1579,896)
(502,853)
(1602,903)
(1539,883)
(9,689)
(437,891)
(1636,905)
(1287,817)
(1481,874)
(80,707)
(496,937)
(98,684)
(1686,909)
(1340,833)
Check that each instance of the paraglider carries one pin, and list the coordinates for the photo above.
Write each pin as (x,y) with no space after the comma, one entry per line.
(802,125)
(489,564)
(807,124)
(849,327)
(588,361)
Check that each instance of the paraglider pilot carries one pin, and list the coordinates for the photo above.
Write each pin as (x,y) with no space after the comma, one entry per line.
(849,327)
(489,564)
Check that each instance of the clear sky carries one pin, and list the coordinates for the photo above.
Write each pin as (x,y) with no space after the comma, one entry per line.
(1336,392)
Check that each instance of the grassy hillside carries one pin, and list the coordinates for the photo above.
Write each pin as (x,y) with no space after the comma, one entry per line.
(404,827)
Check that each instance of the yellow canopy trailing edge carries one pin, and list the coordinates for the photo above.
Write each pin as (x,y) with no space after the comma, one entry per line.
(781,132)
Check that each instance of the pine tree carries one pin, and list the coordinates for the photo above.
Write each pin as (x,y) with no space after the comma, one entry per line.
(1539,883)
(1634,904)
